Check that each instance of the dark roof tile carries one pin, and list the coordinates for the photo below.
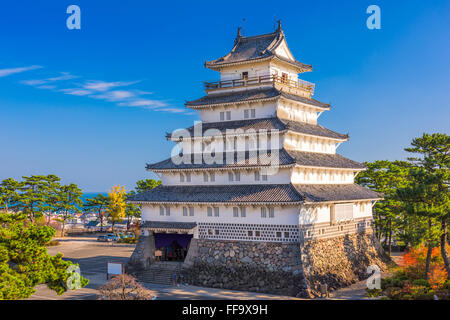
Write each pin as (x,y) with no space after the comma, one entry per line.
(333,192)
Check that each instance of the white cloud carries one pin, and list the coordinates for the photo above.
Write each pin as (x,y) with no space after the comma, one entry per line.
(76,91)
(144,103)
(105,86)
(7,72)
(116,95)
(171,110)
(64,76)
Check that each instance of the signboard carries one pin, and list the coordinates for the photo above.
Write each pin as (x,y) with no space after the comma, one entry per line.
(114,268)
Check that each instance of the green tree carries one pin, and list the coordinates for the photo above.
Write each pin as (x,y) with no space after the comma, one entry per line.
(25,262)
(433,152)
(146,185)
(68,202)
(33,195)
(9,194)
(97,204)
(385,177)
(117,205)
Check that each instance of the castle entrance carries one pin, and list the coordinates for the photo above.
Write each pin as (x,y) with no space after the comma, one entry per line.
(171,246)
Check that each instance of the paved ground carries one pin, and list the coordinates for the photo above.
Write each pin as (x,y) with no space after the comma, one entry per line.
(92,257)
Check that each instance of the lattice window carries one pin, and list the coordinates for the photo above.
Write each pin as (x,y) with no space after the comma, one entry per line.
(249,232)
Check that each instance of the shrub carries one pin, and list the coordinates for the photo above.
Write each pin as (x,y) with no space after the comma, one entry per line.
(421,282)
(437,277)
(372,293)
(53,243)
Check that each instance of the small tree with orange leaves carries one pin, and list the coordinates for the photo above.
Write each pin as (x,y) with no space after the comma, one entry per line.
(117,205)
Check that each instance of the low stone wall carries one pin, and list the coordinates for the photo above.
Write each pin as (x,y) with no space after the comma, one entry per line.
(245,265)
(340,261)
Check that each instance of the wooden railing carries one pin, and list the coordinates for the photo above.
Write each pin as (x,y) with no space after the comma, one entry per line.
(235,83)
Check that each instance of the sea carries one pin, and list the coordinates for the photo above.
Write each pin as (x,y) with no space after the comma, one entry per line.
(89,195)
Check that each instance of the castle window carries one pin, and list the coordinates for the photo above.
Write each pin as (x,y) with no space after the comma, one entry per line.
(205,177)
(286,234)
(167,211)
(278,234)
(228,114)
(246,113)
(249,113)
(271,212)
(191,211)
(210,232)
(235,212)
(216,232)
(245,75)
(181,177)
(257,176)
(238,176)
(284,77)
(212,176)
(185,211)
(243,213)
(230,176)
(216,211)
(253,113)
(209,211)
(222,116)
(257,233)
(188,177)
(264,177)
(250,233)
(263,212)
(161,210)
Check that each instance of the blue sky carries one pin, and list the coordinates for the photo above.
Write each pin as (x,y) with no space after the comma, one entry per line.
(93,105)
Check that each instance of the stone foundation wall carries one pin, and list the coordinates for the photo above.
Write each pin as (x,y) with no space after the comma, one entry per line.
(340,261)
(245,265)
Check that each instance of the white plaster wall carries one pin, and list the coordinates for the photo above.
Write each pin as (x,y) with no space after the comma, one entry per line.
(283,215)
(235,72)
(262,110)
(362,209)
(314,214)
(232,142)
(283,176)
(310,144)
(302,175)
(297,112)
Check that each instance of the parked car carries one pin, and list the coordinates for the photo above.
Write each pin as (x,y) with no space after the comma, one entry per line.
(103,239)
(112,237)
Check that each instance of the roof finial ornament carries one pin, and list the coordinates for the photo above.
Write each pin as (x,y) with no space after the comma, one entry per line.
(279,26)
(239,35)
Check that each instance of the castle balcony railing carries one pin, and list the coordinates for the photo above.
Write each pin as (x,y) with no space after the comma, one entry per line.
(300,87)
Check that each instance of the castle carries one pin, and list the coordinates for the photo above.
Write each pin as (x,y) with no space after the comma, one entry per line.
(255,197)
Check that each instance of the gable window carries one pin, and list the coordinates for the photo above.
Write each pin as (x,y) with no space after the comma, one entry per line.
(235,212)
(263,212)
(249,113)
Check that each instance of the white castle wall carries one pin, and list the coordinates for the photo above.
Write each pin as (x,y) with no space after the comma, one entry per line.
(283,176)
(302,175)
(309,143)
(262,110)
(282,215)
